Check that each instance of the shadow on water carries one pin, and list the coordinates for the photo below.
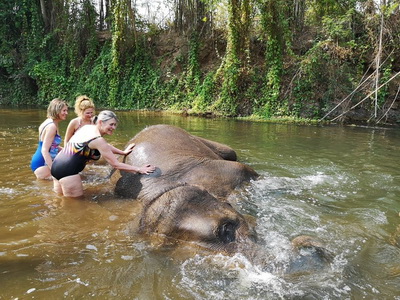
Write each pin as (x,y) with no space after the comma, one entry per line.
(338,184)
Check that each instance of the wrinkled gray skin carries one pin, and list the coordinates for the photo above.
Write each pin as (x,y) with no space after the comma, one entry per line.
(185,198)
(183,159)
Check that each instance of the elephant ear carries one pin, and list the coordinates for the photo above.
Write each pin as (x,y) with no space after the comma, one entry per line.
(128,186)
(223,151)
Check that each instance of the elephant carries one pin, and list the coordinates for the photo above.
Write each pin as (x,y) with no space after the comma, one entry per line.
(193,178)
(185,199)
(182,158)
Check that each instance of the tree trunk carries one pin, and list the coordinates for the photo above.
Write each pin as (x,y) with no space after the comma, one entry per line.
(101,15)
(108,14)
(132,17)
(44,13)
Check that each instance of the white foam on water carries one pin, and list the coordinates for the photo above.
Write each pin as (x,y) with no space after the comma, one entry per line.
(79,281)
(127,257)
(229,275)
(7,191)
(91,247)
(31,290)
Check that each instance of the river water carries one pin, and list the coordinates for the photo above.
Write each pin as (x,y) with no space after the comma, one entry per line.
(340,184)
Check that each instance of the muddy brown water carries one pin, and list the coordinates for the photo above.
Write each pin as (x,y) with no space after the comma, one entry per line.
(341,184)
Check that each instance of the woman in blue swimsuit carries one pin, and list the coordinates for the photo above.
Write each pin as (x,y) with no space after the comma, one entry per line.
(88,144)
(49,139)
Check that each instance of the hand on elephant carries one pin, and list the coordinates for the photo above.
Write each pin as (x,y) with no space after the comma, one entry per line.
(129,149)
(146,169)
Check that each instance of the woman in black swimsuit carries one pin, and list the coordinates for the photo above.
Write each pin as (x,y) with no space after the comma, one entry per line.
(88,144)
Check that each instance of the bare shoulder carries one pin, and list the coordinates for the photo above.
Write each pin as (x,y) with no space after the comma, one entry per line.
(98,143)
(50,127)
(46,123)
(74,122)
(48,131)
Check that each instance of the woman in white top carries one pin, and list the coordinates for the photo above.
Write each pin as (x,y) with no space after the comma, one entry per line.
(85,145)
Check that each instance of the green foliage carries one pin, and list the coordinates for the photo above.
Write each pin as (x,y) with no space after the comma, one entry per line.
(274,25)
(65,57)
(318,9)
(97,81)
(227,100)
(189,83)
(339,28)
(20,32)
(231,75)
(383,93)
(193,69)
(205,95)
(117,41)
(322,78)
(51,80)
(141,85)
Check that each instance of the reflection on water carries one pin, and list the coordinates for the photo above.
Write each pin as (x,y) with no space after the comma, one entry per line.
(340,184)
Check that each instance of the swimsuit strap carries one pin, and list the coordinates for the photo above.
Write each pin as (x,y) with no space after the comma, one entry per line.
(40,134)
(87,143)
(79,124)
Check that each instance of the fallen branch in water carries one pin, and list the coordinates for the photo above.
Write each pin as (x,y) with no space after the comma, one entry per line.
(366,97)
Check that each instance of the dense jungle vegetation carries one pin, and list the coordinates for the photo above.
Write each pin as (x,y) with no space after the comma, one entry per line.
(317,59)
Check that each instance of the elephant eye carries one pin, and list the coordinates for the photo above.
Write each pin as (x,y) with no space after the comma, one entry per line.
(226,232)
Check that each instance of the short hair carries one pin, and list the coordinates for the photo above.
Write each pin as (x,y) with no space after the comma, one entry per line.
(105,115)
(82,103)
(55,107)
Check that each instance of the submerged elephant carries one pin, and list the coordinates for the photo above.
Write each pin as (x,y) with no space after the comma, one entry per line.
(185,199)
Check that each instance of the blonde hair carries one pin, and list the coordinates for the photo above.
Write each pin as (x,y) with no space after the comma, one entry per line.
(55,107)
(82,103)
